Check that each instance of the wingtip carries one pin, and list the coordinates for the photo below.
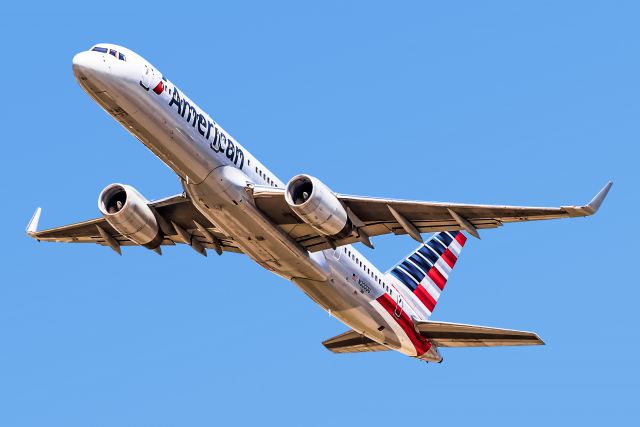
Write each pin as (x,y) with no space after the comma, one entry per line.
(32,227)
(593,206)
(595,203)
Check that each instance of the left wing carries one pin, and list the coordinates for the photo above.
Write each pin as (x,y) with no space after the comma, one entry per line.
(177,209)
(377,216)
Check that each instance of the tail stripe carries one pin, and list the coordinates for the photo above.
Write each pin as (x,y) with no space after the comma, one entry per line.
(432,289)
(416,274)
(437,278)
(426,298)
(438,239)
(457,244)
(426,270)
(420,262)
(449,258)
(443,267)
(446,238)
(403,277)
(455,248)
(427,254)
(436,246)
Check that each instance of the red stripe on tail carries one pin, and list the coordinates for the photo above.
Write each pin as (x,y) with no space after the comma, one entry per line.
(461,238)
(426,298)
(437,277)
(449,258)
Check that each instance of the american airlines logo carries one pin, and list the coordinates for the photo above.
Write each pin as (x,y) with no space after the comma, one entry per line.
(218,141)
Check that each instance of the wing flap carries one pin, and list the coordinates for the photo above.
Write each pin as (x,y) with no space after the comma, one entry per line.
(352,342)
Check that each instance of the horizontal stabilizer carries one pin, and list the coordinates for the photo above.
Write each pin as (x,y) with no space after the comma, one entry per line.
(352,342)
(444,334)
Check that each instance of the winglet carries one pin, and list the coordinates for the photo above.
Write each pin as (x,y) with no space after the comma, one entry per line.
(32,227)
(593,205)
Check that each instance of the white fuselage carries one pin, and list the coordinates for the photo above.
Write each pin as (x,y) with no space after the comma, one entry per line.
(215,171)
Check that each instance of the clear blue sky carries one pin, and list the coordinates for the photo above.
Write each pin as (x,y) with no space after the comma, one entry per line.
(488,102)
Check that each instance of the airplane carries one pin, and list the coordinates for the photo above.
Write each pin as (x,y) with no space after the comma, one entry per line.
(302,230)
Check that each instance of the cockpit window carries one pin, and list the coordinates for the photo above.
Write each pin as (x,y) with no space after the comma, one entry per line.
(112,52)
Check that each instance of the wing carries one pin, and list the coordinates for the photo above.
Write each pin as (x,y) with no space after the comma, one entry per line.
(177,209)
(444,334)
(352,342)
(377,216)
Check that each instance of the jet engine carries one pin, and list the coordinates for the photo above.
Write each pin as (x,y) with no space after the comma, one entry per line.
(318,206)
(129,213)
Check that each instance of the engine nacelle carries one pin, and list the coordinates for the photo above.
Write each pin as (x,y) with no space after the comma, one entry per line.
(318,206)
(129,213)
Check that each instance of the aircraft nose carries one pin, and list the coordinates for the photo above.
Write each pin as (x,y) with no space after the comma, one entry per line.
(83,61)
(89,65)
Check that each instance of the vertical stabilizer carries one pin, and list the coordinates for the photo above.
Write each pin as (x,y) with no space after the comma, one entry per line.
(426,270)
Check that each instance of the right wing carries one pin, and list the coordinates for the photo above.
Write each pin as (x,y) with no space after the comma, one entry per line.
(444,334)
(352,342)
(178,209)
(377,216)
